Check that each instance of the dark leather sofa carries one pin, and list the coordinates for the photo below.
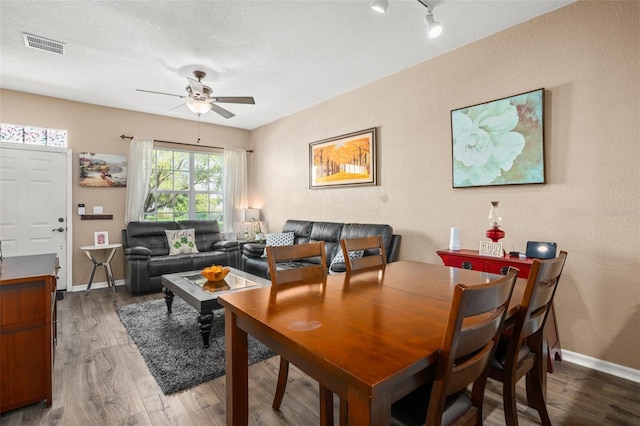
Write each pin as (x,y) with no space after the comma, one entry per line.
(146,252)
(329,232)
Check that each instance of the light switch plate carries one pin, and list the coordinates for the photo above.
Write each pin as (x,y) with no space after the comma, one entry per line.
(97,209)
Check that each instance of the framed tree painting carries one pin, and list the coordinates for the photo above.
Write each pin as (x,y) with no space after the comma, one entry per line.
(499,142)
(345,160)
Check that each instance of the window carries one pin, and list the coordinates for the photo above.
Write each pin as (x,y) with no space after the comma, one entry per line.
(185,185)
(30,135)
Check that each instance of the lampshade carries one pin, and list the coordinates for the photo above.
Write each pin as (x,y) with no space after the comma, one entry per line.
(434,29)
(249,215)
(380,6)
(198,106)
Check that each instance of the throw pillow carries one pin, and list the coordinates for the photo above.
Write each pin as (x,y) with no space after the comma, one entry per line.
(281,239)
(182,241)
(339,257)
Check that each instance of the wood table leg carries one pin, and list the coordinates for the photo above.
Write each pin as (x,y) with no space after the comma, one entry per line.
(326,406)
(237,371)
(168,298)
(368,411)
(205,319)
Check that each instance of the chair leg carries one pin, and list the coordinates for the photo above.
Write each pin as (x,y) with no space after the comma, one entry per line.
(509,398)
(535,395)
(283,374)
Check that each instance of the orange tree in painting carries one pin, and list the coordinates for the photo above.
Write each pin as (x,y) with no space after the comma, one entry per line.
(343,161)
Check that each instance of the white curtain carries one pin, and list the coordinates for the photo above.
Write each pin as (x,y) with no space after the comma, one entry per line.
(234,183)
(139,174)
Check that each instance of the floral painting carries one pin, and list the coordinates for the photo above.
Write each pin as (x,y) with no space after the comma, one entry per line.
(344,160)
(499,142)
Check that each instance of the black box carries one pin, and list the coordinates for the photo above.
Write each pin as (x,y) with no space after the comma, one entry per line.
(541,250)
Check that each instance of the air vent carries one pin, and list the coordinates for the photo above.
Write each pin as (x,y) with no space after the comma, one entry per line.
(42,43)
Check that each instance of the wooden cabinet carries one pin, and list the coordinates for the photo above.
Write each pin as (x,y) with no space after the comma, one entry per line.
(471,259)
(27,329)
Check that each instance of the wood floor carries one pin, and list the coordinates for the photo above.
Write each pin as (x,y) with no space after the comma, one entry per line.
(101,379)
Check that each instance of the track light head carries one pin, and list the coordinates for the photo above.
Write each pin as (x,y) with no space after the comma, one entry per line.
(434,28)
(380,6)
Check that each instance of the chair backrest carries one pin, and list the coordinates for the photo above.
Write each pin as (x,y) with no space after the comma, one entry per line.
(475,323)
(354,263)
(536,303)
(298,272)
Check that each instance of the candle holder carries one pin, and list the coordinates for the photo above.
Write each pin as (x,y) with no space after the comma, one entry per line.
(494,233)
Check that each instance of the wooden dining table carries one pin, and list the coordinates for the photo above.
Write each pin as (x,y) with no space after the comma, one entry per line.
(370,337)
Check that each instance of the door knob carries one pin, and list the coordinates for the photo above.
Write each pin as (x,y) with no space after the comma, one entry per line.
(61,229)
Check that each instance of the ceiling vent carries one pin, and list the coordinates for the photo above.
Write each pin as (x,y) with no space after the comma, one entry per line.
(42,43)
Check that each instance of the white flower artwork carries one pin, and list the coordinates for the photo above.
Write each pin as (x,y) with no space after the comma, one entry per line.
(499,142)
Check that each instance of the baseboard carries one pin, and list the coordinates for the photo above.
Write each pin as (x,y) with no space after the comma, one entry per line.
(603,366)
(94,286)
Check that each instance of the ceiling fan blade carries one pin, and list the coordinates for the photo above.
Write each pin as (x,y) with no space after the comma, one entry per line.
(175,108)
(223,112)
(233,99)
(159,93)
(196,87)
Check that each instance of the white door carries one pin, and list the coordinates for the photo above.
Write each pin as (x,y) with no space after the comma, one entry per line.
(33,204)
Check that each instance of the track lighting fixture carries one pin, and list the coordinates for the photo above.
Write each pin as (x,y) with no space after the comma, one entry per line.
(434,28)
(380,6)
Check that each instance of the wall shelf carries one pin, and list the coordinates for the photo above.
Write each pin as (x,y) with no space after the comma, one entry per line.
(96,216)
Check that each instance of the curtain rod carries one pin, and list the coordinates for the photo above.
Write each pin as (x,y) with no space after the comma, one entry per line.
(181,143)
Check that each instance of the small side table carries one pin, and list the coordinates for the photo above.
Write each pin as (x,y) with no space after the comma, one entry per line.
(88,250)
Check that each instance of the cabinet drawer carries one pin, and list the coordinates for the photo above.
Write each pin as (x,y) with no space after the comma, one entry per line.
(466,263)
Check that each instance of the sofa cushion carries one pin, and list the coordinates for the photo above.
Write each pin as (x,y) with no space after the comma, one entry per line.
(329,232)
(278,239)
(209,258)
(160,265)
(150,235)
(360,230)
(301,230)
(207,232)
(181,241)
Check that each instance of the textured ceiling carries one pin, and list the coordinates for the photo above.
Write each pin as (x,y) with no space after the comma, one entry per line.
(288,55)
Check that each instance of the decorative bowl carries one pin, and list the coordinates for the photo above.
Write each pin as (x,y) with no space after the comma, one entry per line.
(215,286)
(215,273)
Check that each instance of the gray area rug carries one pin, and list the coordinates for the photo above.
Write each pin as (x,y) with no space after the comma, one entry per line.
(171,344)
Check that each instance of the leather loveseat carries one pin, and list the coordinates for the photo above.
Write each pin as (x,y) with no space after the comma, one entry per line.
(147,258)
(331,233)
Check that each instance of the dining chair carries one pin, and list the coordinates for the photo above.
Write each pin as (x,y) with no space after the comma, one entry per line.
(284,275)
(520,350)
(471,334)
(369,252)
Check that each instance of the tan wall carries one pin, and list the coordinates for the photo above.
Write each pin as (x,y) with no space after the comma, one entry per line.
(93,128)
(590,205)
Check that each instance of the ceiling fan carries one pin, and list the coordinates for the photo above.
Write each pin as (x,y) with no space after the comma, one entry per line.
(199,99)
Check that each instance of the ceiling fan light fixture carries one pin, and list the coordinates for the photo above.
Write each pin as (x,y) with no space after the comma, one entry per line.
(434,28)
(198,106)
(380,6)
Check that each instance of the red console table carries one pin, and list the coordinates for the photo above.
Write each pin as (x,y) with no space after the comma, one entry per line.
(471,259)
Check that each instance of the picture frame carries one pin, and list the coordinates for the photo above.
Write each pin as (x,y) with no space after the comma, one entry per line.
(101,238)
(500,142)
(102,170)
(343,161)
